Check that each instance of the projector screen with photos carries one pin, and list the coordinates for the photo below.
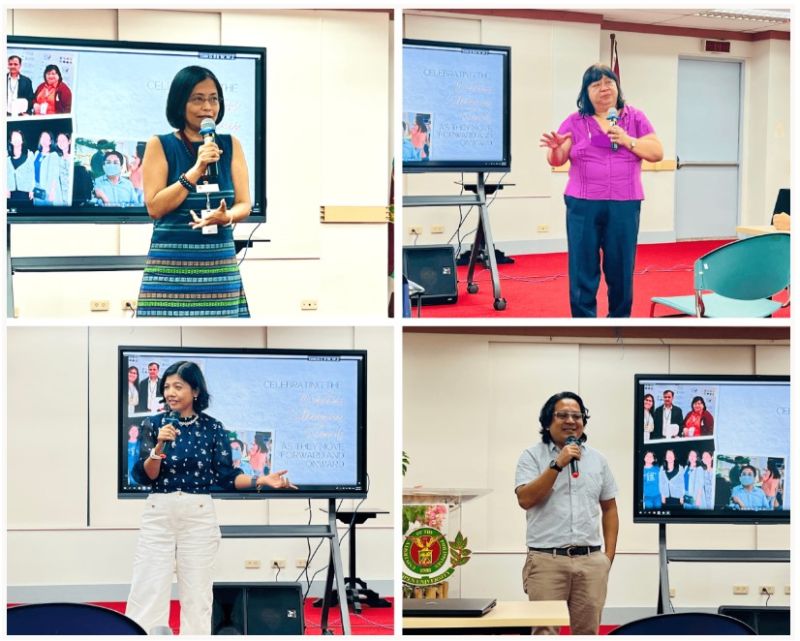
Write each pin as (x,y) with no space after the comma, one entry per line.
(298,410)
(114,100)
(456,107)
(711,449)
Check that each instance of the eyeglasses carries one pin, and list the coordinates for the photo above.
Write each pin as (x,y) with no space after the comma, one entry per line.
(563,416)
(199,101)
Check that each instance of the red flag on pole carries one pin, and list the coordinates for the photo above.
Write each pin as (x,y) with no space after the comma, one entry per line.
(614,55)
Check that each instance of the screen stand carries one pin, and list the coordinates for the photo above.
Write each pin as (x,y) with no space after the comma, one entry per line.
(483,245)
(666,555)
(305,531)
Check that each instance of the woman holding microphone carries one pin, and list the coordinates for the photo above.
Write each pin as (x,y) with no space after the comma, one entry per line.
(183,453)
(605,142)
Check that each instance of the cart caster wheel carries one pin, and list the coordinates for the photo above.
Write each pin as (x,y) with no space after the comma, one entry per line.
(327,632)
(472,288)
(499,304)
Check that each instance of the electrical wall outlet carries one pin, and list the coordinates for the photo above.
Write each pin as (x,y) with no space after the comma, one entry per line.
(99,305)
(672,593)
(301,563)
(437,229)
(740,589)
(415,230)
(787,590)
(278,564)
(252,564)
(766,589)
(129,304)
(308,305)
(542,229)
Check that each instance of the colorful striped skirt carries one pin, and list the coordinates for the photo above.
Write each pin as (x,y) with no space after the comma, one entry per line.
(191,274)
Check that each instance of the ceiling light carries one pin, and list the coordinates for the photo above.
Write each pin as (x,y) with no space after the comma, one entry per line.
(772,16)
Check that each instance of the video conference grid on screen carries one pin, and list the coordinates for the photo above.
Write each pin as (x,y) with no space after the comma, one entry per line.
(712,449)
(114,100)
(456,112)
(301,412)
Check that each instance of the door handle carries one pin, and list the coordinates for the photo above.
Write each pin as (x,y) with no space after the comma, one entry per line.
(677,162)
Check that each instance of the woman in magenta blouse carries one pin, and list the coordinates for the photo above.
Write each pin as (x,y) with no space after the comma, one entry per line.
(605,142)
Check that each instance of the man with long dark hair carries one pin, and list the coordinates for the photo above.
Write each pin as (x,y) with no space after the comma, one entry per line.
(565,561)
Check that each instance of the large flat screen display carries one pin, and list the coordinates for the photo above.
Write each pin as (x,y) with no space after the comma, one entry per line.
(112,98)
(456,107)
(712,449)
(298,410)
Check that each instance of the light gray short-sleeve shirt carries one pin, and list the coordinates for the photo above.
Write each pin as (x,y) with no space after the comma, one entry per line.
(571,514)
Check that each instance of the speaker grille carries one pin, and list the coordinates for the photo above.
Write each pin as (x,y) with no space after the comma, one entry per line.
(257,608)
(434,268)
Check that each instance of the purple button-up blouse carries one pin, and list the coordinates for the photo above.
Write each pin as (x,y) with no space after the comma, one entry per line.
(598,173)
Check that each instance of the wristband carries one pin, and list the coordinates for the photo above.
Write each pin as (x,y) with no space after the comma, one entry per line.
(184,181)
(253,482)
(156,456)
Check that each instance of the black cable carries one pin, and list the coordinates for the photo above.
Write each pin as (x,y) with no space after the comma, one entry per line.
(247,245)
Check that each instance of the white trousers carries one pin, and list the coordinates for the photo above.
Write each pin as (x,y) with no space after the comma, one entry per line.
(179,533)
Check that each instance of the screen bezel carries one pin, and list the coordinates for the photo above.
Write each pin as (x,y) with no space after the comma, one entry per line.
(357,492)
(695,516)
(124,215)
(504,165)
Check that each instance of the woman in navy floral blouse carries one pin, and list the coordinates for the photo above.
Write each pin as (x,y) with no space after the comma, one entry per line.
(184,455)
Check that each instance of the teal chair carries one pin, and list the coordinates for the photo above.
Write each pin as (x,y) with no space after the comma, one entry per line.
(737,280)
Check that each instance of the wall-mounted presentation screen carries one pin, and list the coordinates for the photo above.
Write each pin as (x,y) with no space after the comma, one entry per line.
(456,107)
(298,410)
(111,96)
(711,449)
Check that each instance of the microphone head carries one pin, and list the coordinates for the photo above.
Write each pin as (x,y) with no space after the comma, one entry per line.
(613,114)
(572,440)
(207,126)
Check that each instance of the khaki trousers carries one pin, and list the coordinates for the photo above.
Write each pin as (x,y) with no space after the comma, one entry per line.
(581,581)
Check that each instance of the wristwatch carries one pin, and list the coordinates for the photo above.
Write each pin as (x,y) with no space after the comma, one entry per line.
(555,466)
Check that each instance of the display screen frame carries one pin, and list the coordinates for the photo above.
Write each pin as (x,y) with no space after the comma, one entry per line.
(30,214)
(356,491)
(751,517)
(485,166)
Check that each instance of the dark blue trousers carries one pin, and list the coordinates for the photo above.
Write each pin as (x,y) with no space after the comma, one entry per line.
(601,233)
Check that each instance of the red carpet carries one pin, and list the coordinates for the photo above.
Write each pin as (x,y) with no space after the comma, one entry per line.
(370,621)
(536,285)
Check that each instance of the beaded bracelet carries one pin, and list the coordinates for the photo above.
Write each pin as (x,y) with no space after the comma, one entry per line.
(184,181)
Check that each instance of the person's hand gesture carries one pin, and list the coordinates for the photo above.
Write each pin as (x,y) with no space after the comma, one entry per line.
(554,140)
(218,216)
(277,480)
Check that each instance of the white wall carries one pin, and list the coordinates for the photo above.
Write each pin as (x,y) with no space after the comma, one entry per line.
(548,59)
(471,405)
(328,82)
(66,526)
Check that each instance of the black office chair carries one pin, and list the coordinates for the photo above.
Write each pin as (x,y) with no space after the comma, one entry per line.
(68,618)
(685,623)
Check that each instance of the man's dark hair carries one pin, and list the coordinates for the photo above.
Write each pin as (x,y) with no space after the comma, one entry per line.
(593,74)
(546,414)
(191,373)
(12,56)
(117,154)
(750,467)
(181,88)
(668,390)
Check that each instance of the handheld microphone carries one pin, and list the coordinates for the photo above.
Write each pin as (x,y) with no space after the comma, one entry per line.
(208,130)
(573,464)
(172,419)
(612,117)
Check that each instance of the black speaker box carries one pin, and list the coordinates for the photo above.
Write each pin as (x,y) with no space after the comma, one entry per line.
(257,608)
(771,620)
(433,267)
